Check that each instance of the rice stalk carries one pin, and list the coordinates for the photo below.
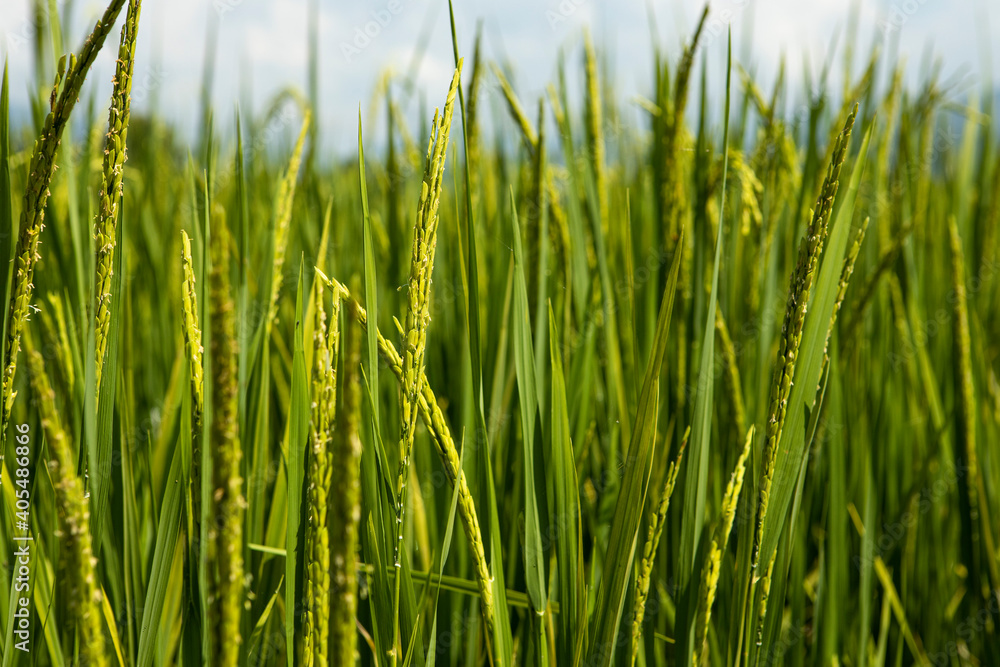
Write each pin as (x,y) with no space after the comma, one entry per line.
(345,510)
(225,532)
(418,312)
(765,592)
(653,534)
(892,599)
(283,216)
(84,597)
(192,332)
(734,385)
(444,444)
(810,249)
(55,329)
(115,154)
(751,191)
(516,111)
(319,476)
(595,125)
(65,93)
(674,207)
(870,288)
(474,157)
(560,225)
(845,278)
(670,179)
(716,552)
(196,369)
(976,507)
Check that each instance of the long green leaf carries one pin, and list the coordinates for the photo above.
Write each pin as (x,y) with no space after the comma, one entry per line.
(168,531)
(696,475)
(524,363)
(502,640)
(371,291)
(565,512)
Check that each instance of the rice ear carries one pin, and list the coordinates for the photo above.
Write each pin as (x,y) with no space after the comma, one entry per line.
(192,332)
(653,535)
(225,531)
(716,552)
(345,505)
(283,216)
(319,474)
(111,181)
(444,444)
(65,94)
(418,314)
(810,249)
(83,593)
(734,385)
(975,508)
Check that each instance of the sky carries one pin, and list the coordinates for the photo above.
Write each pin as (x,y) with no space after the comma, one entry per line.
(264,45)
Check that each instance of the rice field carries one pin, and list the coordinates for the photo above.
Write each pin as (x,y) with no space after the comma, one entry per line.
(717,388)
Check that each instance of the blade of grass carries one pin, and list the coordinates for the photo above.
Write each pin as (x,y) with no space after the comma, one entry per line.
(498,625)
(167,534)
(371,291)
(524,362)
(696,475)
(565,510)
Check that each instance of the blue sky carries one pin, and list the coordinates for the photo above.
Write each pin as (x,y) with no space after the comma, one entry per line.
(264,42)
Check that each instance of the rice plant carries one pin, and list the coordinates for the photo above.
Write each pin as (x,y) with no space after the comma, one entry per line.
(716,386)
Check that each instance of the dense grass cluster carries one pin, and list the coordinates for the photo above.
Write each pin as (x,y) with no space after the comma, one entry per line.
(718,389)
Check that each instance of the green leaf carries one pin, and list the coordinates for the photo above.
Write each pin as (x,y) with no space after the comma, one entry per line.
(524,363)
(371,284)
(560,463)
(503,643)
(258,628)
(243,295)
(696,474)
(167,533)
